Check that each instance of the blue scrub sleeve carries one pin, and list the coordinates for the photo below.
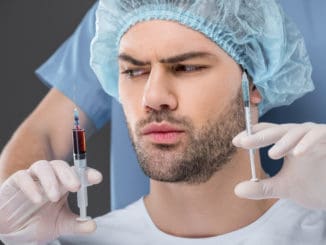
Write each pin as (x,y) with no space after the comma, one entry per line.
(70,64)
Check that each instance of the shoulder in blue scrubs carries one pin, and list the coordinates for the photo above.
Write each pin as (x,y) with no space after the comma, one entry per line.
(70,64)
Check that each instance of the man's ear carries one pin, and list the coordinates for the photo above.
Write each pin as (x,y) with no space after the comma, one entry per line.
(255,96)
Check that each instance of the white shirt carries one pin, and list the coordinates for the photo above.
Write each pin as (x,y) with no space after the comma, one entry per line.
(285,223)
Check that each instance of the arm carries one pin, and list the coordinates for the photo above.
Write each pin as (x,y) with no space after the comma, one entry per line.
(45,134)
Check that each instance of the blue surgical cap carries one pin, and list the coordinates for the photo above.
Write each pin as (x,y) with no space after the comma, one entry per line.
(255,33)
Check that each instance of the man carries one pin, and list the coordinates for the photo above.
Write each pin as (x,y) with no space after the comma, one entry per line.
(183,106)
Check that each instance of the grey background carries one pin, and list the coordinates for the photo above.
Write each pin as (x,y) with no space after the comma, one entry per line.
(30,32)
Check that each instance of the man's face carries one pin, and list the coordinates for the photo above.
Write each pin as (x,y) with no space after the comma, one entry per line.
(181,97)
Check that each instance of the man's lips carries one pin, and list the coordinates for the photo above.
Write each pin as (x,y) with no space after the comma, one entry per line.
(162,133)
(160,128)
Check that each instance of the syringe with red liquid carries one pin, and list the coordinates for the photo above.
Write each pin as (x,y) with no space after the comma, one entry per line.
(80,163)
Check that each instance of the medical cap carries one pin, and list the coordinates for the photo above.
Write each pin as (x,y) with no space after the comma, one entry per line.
(255,33)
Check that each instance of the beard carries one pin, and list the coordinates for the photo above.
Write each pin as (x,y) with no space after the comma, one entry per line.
(195,159)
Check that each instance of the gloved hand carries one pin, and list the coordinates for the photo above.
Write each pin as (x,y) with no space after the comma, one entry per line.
(33,203)
(303,175)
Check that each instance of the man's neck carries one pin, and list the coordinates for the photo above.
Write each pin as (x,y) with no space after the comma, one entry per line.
(206,209)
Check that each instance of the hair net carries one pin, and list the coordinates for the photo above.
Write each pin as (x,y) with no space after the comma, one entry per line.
(255,33)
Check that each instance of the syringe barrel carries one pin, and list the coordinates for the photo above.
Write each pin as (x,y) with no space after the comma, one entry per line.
(80,161)
(82,202)
(248,120)
(82,198)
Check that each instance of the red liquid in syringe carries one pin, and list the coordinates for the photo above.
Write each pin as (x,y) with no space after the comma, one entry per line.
(79,141)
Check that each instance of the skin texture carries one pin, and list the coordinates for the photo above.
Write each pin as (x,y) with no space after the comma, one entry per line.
(157,77)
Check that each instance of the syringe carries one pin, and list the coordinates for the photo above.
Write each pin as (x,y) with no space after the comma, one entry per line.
(246,99)
(80,163)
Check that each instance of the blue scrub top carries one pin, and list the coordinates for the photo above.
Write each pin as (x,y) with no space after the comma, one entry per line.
(70,64)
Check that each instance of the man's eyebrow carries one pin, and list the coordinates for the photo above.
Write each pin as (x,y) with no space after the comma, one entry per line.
(173,59)
(130,59)
(185,56)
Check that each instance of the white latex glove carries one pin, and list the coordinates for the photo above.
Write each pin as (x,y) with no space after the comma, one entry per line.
(33,203)
(303,175)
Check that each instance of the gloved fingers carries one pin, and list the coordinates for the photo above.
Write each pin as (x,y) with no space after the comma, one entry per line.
(287,142)
(93,176)
(66,175)
(256,128)
(265,134)
(19,199)
(262,138)
(68,223)
(263,189)
(262,126)
(316,135)
(22,180)
(69,178)
(57,177)
(43,171)
(73,226)
(17,211)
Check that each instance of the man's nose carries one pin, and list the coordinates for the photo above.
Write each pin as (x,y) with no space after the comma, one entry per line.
(158,91)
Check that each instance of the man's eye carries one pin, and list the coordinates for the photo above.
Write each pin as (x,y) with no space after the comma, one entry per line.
(134,72)
(186,68)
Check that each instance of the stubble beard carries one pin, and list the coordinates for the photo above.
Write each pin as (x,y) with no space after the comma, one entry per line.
(195,159)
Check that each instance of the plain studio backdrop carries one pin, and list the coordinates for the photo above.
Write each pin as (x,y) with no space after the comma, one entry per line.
(30,32)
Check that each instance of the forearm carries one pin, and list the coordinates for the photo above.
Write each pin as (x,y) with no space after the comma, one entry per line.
(27,145)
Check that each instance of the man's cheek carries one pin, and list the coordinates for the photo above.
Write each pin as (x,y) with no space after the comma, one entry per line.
(129,118)
(132,120)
